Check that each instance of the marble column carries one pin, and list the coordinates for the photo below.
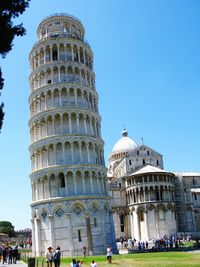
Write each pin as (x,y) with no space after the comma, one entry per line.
(51,228)
(136,226)
(89,234)
(33,238)
(37,237)
(103,223)
(69,225)
(131,225)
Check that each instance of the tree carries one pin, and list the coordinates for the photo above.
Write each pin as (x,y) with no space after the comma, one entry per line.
(9,9)
(2,104)
(7,228)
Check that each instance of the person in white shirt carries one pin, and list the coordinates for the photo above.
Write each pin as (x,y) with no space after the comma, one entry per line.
(109,254)
(93,264)
(49,256)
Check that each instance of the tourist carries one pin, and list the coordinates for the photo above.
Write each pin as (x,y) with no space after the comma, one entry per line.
(109,254)
(49,256)
(79,263)
(56,257)
(5,254)
(15,253)
(1,253)
(84,252)
(10,255)
(73,263)
(93,264)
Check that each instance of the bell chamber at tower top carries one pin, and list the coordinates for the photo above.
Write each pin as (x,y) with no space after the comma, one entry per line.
(60,25)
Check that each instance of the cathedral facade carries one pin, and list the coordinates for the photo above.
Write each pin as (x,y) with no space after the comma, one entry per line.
(149,202)
(71,207)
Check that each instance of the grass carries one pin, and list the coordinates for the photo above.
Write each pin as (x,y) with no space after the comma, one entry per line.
(158,259)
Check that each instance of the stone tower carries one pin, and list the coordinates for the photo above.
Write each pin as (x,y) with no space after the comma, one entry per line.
(70,203)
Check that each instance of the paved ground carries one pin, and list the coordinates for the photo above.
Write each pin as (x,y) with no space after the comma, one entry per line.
(18,264)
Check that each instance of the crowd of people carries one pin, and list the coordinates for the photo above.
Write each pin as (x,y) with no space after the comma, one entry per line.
(8,254)
(158,244)
(25,243)
(53,256)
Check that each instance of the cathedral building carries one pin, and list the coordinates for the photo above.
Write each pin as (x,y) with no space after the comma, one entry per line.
(149,202)
(71,207)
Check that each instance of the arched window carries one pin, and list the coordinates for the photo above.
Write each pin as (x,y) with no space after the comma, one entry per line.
(141,216)
(62,180)
(122,222)
(55,53)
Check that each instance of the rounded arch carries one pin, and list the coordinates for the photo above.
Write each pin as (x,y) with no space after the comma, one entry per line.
(79,183)
(57,124)
(70,183)
(88,183)
(56,98)
(61,51)
(59,154)
(62,74)
(76,150)
(64,96)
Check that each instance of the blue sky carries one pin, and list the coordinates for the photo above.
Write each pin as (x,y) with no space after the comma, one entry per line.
(147,66)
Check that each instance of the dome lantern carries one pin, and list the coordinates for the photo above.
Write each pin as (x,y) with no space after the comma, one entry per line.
(124,132)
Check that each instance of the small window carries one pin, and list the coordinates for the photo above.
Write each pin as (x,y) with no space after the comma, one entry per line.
(143,161)
(62,180)
(95,222)
(79,236)
(130,162)
(193,182)
(157,194)
(195,196)
(141,216)
(55,55)
(120,185)
(161,194)
(147,152)
(138,152)
(157,162)
(49,81)
(122,223)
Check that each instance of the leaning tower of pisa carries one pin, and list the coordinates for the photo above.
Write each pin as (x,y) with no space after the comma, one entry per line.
(70,203)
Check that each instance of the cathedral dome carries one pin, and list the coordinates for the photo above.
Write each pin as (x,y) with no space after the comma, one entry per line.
(124,145)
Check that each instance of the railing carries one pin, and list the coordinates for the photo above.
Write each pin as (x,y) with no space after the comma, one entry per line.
(62,14)
(61,35)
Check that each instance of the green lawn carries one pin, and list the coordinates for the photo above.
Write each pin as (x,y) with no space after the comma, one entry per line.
(158,259)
